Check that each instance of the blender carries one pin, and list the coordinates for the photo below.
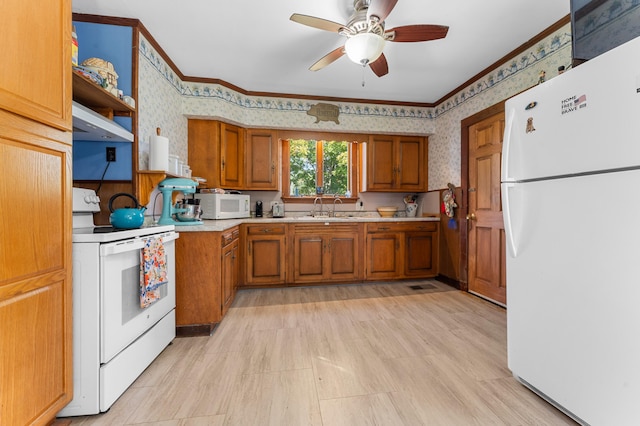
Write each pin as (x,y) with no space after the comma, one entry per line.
(188,211)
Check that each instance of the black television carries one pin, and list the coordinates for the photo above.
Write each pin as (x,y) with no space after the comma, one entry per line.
(600,25)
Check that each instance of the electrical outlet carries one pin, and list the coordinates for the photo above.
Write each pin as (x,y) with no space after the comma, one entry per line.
(111,153)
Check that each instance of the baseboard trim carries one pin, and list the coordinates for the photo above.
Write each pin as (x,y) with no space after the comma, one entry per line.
(452,282)
(195,330)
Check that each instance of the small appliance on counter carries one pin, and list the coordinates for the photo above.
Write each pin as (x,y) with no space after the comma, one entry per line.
(185,212)
(277,210)
(258,208)
(224,206)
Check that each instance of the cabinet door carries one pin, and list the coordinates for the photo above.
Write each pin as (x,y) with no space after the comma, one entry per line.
(344,259)
(229,274)
(421,254)
(35,259)
(384,255)
(381,167)
(411,164)
(231,156)
(309,258)
(204,150)
(35,81)
(261,153)
(265,260)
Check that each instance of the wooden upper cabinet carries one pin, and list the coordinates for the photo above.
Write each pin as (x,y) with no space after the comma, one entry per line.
(381,167)
(204,150)
(35,81)
(262,171)
(394,163)
(231,156)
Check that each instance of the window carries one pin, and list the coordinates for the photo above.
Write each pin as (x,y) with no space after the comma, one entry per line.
(313,167)
(318,167)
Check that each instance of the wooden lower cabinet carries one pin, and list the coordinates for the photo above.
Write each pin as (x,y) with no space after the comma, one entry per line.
(206,279)
(384,255)
(265,254)
(326,253)
(421,251)
(401,250)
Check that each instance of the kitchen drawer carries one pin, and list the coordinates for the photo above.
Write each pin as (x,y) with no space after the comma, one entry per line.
(326,227)
(267,229)
(230,235)
(402,227)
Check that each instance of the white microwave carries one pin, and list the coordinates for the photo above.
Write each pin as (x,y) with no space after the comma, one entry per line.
(224,206)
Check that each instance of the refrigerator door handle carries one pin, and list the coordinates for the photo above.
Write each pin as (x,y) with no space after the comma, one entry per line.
(506,145)
(508,225)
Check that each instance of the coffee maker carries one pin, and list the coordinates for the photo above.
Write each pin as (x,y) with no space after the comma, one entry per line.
(188,211)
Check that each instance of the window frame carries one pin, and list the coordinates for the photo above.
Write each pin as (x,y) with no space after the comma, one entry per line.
(354,163)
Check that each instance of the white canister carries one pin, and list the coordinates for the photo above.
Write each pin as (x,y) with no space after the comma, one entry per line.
(174,165)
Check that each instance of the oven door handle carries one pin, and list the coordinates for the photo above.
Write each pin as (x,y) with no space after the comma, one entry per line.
(131,245)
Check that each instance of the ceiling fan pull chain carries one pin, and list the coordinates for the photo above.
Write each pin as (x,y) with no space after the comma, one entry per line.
(363,67)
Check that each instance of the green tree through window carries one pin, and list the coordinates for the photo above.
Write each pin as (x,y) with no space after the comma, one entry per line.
(318,164)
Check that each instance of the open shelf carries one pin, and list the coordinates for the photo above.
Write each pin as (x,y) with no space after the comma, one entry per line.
(89,94)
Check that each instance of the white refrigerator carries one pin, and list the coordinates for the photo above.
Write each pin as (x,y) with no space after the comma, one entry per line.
(571,206)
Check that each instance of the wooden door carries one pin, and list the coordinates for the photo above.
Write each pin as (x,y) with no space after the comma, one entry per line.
(410,170)
(261,160)
(486,257)
(35,206)
(231,156)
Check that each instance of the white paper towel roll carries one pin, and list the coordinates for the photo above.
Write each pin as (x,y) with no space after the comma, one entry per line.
(158,152)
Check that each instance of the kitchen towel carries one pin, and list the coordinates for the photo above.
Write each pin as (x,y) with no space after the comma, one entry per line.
(158,152)
(153,271)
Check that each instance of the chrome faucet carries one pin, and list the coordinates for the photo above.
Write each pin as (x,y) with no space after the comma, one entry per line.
(314,206)
(336,198)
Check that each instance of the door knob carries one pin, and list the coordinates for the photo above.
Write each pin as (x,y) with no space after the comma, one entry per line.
(471,216)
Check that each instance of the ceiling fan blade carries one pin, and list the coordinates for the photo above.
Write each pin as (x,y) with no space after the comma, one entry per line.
(411,33)
(380,8)
(328,59)
(312,21)
(380,66)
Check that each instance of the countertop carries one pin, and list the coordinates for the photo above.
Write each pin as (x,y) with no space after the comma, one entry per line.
(222,225)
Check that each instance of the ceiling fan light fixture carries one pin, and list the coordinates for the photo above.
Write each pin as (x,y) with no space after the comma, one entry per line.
(364,48)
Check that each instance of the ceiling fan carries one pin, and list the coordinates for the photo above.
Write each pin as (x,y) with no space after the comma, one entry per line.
(366,34)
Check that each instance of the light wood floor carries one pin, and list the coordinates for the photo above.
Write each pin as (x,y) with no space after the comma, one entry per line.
(371,354)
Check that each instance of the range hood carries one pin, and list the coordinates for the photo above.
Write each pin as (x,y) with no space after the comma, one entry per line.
(88,125)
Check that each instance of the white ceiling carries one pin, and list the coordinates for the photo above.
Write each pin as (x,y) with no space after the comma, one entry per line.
(253,45)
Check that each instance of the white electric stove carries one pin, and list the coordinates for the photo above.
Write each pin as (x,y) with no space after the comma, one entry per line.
(114,338)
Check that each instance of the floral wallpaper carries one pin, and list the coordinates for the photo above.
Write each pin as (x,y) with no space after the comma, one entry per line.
(165,101)
(510,78)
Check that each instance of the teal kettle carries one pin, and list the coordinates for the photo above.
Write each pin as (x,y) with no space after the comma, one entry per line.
(126,218)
